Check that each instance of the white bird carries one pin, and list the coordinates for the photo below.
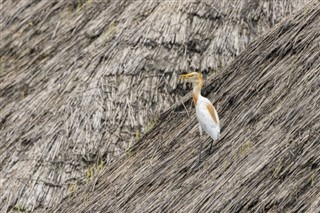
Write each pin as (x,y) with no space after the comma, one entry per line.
(206,113)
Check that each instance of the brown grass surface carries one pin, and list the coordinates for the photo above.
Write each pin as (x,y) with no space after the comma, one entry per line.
(268,157)
(80,81)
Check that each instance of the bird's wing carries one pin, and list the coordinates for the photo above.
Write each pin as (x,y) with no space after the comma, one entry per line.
(208,118)
(213,113)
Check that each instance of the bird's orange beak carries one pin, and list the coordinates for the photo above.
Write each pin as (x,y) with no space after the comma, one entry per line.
(185,76)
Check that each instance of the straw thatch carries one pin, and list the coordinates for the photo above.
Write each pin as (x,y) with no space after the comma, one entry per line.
(268,157)
(83,80)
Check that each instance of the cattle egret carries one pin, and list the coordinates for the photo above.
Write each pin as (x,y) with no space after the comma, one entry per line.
(206,113)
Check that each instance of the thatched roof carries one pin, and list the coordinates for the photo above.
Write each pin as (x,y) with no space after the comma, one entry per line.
(82,80)
(268,157)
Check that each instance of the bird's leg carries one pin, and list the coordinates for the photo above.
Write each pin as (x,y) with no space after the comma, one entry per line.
(200,148)
(210,149)
(199,160)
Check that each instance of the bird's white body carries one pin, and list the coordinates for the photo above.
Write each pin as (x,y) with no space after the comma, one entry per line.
(206,120)
(206,113)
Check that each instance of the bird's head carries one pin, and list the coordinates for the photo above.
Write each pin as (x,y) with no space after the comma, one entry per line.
(193,77)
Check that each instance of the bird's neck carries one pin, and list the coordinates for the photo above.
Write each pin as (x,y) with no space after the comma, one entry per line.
(197,91)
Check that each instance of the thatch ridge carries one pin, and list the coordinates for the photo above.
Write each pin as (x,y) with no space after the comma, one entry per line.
(82,79)
(268,157)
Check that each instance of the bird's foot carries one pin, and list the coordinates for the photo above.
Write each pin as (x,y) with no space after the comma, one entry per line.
(211,148)
(199,160)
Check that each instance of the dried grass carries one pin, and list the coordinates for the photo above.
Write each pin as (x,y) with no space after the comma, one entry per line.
(79,80)
(268,157)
